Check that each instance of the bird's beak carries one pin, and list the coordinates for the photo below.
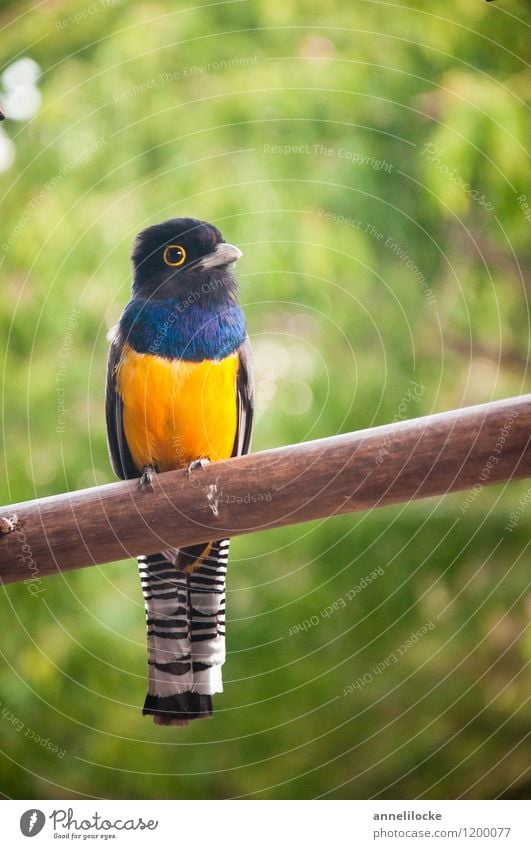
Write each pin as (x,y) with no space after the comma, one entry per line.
(223,254)
(2,113)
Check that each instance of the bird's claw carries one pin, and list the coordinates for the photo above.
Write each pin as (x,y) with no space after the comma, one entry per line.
(202,463)
(145,482)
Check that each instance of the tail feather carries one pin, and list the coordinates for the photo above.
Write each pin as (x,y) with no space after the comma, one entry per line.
(207,619)
(178,709)
(185,615)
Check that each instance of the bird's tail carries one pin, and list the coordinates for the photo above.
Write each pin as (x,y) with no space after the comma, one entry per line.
(185,615)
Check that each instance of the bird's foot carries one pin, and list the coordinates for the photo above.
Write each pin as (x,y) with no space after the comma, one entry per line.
(202,463)
(145,482)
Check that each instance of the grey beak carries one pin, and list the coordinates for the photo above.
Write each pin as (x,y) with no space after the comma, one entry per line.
(223,254)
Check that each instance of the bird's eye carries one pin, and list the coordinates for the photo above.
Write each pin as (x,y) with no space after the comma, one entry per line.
(174,255)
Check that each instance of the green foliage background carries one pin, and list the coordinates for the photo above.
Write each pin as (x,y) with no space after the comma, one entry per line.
(155,109)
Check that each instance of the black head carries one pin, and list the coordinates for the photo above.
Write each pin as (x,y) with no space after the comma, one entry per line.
(183,256)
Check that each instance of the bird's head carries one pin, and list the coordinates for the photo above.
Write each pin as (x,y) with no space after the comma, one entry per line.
(183,258)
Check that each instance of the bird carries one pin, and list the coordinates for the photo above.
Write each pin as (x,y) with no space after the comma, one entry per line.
(179,395)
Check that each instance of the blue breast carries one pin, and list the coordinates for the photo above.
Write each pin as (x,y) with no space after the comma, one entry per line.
(175,329)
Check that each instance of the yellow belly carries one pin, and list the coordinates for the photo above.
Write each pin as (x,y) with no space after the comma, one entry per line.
(175,412)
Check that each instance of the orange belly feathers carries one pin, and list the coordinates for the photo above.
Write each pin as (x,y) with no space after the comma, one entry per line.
(176,411)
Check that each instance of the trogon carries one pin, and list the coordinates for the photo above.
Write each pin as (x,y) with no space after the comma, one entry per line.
(180,394)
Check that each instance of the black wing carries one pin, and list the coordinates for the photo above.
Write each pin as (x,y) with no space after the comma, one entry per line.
(121,459)
(245,390)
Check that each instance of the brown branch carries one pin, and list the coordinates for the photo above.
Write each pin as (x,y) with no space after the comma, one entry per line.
(475,446)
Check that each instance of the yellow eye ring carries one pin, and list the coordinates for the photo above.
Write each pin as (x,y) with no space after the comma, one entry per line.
(167,255)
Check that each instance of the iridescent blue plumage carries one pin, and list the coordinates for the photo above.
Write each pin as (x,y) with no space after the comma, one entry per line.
(174,328)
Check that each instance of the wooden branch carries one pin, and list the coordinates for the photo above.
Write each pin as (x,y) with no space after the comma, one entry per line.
(472,447)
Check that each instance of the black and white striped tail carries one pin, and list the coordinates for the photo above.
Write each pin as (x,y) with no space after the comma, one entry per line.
(185,616)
